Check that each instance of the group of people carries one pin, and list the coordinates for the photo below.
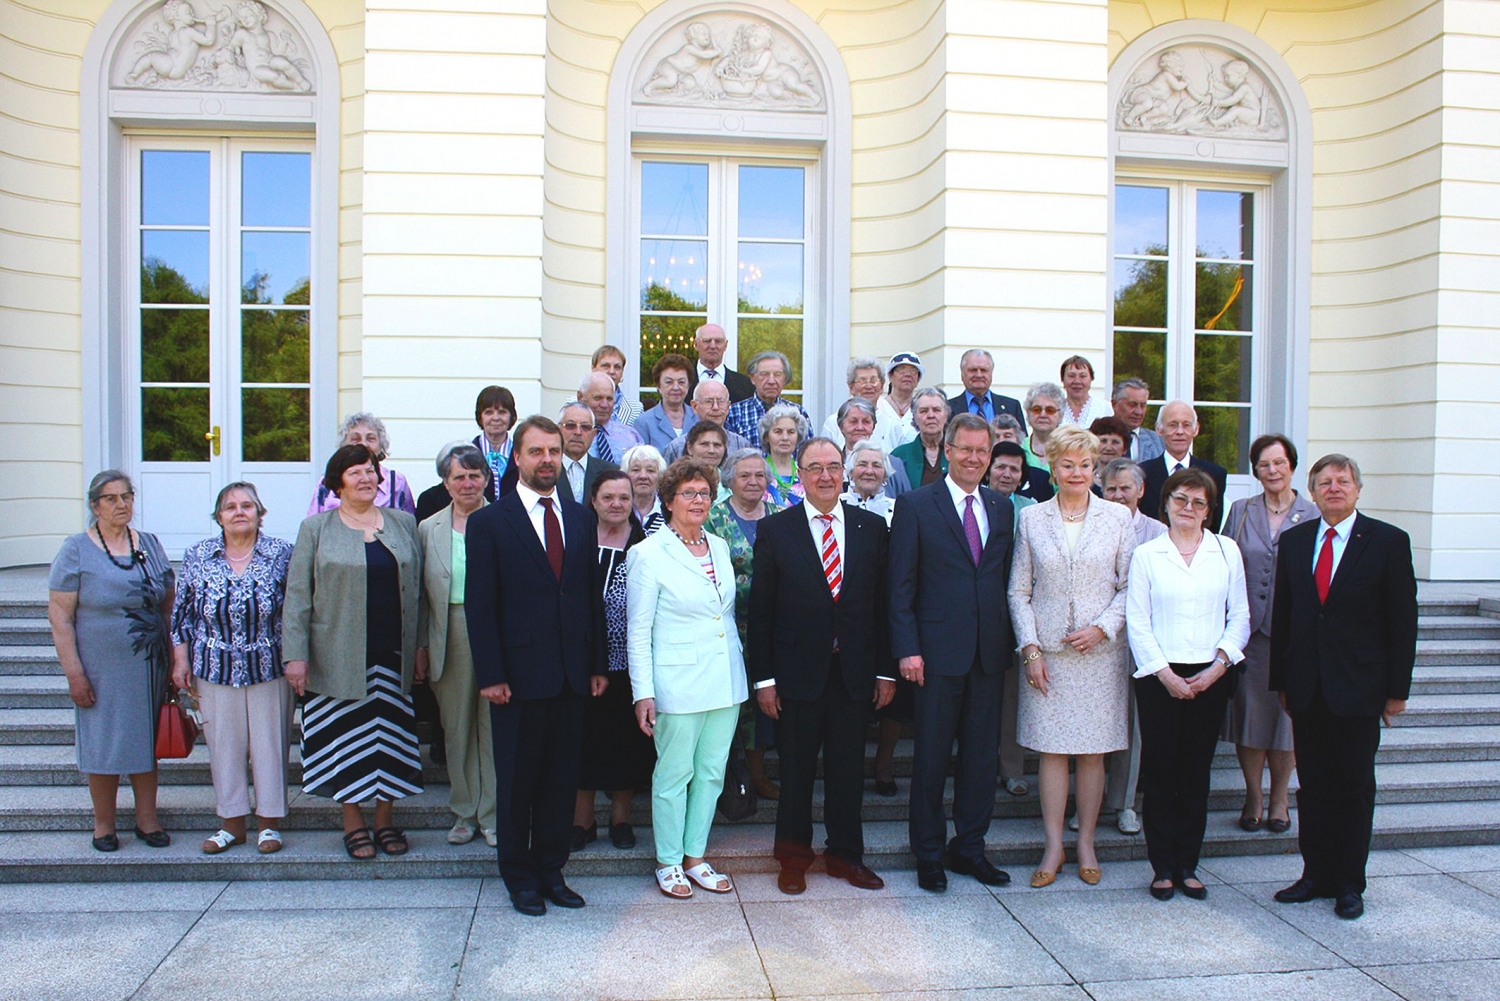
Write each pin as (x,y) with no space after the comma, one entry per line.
(615,600)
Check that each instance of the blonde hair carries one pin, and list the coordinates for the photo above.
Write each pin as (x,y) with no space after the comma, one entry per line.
(1070,439)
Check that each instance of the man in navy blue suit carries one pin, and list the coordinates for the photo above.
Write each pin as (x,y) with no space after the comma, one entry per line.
(535,611)
(950,629)
(977,368)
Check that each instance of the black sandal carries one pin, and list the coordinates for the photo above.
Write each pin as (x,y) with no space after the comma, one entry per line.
(158,838)
(358,841)
(392,840)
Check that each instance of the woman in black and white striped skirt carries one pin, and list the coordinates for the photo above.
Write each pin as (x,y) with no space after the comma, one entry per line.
(349,640)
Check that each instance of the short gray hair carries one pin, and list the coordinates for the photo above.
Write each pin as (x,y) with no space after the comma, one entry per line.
(369,420)
(1008,422)
(786,364)
(963,359)
(853,403)
(779,412)
(574,405)
(642,451)
(859,362)
(245,486)
(467,457)
(447,450)
(738,456)
(1162,413)
(1335,460)
(589,377)
(927,391)
(868,445)
(101,480)
(1115,467)
(1051,390)
(1118,393)
(698,389)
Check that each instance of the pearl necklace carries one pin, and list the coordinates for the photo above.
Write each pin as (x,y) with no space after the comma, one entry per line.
(1073,518)
(699,541)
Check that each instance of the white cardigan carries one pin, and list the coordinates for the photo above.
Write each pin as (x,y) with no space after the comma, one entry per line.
(684,648)
(1181,613)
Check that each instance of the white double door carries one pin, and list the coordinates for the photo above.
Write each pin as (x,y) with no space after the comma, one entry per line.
(222,380)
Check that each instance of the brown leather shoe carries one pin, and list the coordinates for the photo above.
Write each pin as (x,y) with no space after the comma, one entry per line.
(855,872)
(791,880)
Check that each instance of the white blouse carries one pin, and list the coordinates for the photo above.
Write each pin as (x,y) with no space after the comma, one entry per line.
(1181,613)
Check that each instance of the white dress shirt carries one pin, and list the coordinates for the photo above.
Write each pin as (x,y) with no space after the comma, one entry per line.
(574,470)
(892,428)
(1341,533)
(531,503)
(1184,613)
(718,374)
(1186,462)
(958,495)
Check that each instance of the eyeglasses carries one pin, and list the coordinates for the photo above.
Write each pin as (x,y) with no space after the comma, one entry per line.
(1048,411)
(693,495)
(576,426)
(1183,500)
(124,498)
(819,468)
(1270,464)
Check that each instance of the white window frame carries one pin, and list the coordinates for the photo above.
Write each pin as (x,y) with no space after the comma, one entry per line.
(723,240)
(1182,332)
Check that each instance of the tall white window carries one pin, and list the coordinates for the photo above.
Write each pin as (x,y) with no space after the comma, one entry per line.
(725,240)
(220,331)
(1189,273)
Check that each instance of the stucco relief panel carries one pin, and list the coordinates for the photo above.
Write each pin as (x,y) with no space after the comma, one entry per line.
(244,46)
(729,60)
(1200,90)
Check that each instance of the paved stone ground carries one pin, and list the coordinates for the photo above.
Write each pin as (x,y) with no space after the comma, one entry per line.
(1431,930)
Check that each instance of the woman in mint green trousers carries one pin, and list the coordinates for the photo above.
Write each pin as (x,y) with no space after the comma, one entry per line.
(687,673)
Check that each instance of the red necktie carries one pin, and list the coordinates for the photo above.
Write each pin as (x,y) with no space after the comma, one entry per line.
(1323,572)
(552,529)
(833,568)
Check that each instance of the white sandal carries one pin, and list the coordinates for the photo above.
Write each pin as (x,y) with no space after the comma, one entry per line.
(269,841)
(216,843)
(707,877)
(669,878)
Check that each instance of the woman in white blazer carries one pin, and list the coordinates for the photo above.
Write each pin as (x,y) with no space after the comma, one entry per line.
(687,673)
(443,647)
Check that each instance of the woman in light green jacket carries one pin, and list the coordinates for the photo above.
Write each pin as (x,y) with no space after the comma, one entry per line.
(349,638)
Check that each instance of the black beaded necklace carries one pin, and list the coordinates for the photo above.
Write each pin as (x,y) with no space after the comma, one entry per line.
(133,557)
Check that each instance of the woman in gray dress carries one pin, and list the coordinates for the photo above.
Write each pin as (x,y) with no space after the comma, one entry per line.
(1260,729)
(109,605)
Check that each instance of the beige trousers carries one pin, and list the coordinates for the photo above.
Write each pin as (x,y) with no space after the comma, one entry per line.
(466,725)
(251,724)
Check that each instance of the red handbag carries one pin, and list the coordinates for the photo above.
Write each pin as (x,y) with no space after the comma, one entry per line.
(175,730)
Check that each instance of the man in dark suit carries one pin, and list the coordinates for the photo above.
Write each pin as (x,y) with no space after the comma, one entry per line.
(579,469)
(1177,423)
(710,342)
(819,656)
(535,612)
(1343,642)
(950,628)
(977,369)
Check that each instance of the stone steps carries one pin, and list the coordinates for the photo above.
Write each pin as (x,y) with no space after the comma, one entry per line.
(19,631)
(1015,843)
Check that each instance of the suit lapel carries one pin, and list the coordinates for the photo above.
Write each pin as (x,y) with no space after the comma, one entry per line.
(944,501)
(445,541)
(1359,538)
(992,545)
(807,548)
(520,523)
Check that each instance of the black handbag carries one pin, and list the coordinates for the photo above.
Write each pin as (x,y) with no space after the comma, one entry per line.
(738,800)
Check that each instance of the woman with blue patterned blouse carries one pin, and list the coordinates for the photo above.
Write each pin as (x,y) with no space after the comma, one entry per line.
(226,631)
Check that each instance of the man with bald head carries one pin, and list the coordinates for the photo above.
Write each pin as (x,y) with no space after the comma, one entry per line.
(710,342)
(597,392)
(1177,423)
(710,403)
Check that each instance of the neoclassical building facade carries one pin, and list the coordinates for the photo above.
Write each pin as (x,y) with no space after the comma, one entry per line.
(225,223)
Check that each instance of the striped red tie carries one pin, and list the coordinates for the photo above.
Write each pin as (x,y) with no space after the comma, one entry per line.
(833,567)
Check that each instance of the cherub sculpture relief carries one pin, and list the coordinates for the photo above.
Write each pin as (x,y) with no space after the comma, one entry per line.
(1238,104)
(687,69)
(752,68)
(171,56)
(254,45)
(1164,99)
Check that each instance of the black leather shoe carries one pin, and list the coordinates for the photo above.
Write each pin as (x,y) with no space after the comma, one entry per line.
(791,880)
(886,787)
(108,843)
(529,903)
(155,839)
(562,896)
(854,872)
(931,877)
(980,868)
(583,836)
(1349,905)
(622,835)
(1301,892)
(1163,892)
(1278,826)
(1199,892)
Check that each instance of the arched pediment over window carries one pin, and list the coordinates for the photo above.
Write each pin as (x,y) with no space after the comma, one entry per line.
(244,46)
(729,59)
(1200,90)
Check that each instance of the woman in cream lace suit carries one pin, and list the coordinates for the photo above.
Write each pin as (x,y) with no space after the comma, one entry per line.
(1067,603)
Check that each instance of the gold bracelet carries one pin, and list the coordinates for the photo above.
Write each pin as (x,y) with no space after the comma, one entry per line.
(1036,655)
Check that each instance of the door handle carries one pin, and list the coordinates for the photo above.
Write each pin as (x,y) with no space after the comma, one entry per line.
(215,437)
